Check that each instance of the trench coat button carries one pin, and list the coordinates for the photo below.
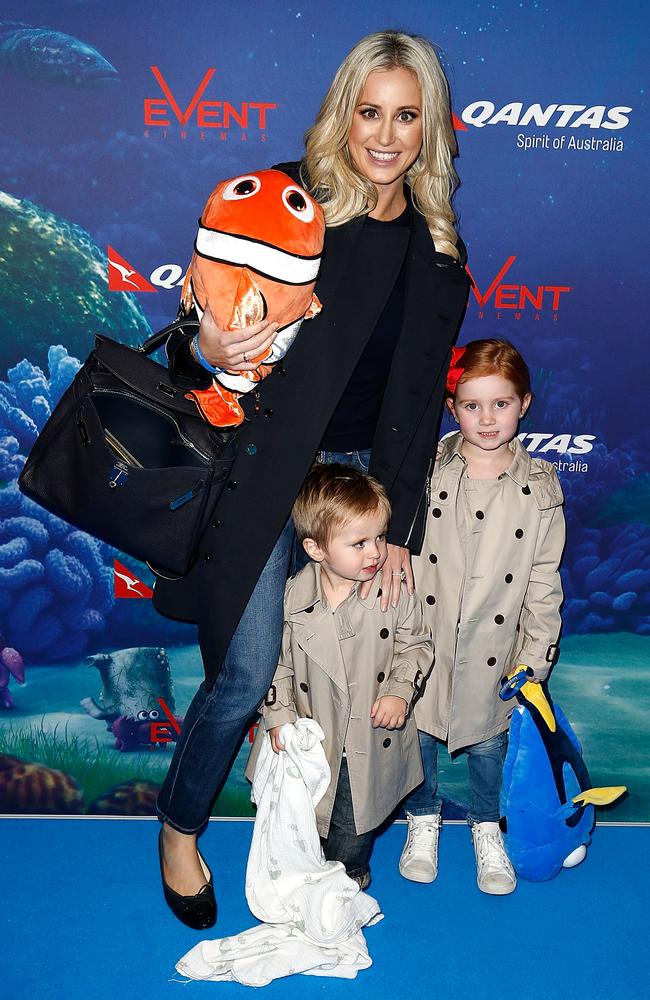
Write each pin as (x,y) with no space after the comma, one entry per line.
(216,523)
(384,633)
(251,449)
(480,515)
(443,494)
(387,742)
(281,370)
(525,490)
(308,611)
(433,558)
(268,412)
(207,556)
(519,533)
(395,430)
(491,661)
(436,512)
(303,686)
(499,619)
(431,599)
(508,578)
(231,484)
(381,676)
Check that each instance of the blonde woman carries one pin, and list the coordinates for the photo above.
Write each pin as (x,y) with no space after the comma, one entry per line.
(363,384)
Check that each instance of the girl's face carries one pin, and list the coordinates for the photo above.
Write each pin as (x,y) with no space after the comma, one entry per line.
(386,134)
(488,411)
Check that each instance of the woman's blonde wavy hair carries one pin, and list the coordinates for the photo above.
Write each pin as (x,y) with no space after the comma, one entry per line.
(342,191)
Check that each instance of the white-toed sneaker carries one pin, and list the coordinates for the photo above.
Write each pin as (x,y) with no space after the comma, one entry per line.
(419,860)
(494,872)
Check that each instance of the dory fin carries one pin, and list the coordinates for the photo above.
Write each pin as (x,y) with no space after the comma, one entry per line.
(249,307)
(599,796)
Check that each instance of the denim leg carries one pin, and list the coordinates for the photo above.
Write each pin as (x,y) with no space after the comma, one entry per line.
(425,801)
(343,843)
(485,762)
(216,720)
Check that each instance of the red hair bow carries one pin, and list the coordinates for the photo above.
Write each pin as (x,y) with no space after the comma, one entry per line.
(456,371)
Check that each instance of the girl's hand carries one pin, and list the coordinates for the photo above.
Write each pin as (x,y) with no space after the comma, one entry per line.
(276,742)
(226,348)
(389,712)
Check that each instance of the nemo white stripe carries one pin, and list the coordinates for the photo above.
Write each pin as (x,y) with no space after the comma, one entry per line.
(268,261)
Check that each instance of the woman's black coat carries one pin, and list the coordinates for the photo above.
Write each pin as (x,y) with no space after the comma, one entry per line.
(277,447)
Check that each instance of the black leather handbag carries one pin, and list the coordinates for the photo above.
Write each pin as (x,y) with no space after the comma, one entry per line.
(128,458)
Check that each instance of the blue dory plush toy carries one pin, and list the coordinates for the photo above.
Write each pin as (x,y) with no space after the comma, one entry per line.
(547,802)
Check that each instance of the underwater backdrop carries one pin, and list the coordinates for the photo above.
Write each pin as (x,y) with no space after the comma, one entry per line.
(111,139)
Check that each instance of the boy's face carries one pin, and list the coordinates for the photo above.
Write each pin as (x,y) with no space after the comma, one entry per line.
(357,551)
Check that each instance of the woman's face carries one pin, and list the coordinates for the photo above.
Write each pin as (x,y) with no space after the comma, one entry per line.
(386,134)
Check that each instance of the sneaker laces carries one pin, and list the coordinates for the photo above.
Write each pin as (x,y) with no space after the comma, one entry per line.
(491,852)
(422,836)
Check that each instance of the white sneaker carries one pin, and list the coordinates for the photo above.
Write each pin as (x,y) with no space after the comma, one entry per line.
(494,872)
(419,860)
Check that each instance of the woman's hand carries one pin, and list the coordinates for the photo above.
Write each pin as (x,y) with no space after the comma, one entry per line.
(389,712)
(398,562)
(276,743)
(235,350)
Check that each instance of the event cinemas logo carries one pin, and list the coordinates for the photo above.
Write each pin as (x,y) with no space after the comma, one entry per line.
(517,297)
(482,113)
(163,112)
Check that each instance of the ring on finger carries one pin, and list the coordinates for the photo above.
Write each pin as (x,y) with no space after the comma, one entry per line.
(245,357)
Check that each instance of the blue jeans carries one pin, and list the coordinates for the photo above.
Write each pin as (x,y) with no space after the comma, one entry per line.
(343,843)
(217,720)
(485,761)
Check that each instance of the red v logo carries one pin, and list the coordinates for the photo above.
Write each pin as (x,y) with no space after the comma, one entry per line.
(183,116)
(482,299)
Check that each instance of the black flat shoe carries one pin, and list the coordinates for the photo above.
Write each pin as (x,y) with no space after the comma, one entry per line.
(198,911)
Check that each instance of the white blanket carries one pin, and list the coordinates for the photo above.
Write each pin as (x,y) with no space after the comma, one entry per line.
(312,912)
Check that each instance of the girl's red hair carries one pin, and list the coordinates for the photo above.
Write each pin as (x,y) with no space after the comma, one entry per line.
(495,357)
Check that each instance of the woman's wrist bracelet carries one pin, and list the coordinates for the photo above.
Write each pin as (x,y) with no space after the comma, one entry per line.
(196,352)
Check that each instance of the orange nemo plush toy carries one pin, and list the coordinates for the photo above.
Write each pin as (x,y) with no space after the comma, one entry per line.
(256,256)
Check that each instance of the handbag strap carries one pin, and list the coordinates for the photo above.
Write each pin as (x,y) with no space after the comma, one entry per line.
(156,340)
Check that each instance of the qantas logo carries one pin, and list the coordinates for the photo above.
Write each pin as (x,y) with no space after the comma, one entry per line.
(482,113)
(122,277)
(517,297)
(125,584)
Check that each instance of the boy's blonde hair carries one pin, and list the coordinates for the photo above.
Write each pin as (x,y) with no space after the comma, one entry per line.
(331,497)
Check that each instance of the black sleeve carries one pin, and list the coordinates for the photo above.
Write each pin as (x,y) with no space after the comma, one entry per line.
(184,369)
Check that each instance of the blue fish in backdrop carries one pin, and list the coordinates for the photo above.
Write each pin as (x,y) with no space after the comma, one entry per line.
(47,56)
(547,802)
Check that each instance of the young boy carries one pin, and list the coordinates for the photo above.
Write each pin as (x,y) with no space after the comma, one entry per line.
(352,667)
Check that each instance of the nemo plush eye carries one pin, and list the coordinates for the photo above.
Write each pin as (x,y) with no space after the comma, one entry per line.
(154,714)
(298,203)
(241,187)
(142,716)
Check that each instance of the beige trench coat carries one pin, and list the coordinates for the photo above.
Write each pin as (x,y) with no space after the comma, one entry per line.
(333,666)
(495,611)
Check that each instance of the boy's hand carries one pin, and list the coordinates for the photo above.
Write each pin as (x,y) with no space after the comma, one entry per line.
(276,742)
(389,712)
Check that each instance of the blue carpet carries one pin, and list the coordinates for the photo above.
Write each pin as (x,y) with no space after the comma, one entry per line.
(82,917)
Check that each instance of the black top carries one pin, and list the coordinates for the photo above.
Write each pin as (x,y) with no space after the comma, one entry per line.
(352,425)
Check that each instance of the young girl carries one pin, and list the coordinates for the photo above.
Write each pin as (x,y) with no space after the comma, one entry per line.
(489,582)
